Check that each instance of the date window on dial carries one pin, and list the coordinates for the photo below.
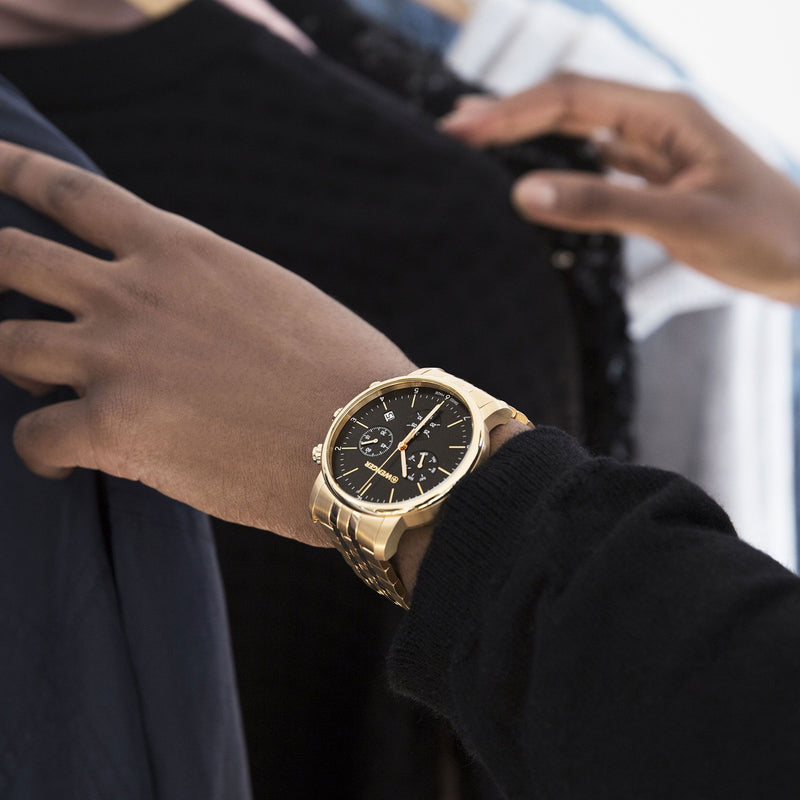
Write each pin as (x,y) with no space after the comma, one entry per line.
(389,416)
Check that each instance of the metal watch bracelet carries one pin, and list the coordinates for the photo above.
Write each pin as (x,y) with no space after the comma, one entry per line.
(352,530)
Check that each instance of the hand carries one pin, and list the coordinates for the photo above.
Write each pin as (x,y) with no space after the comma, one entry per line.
(201,369)
(706,197)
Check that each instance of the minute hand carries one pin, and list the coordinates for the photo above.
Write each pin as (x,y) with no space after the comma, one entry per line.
(404,444)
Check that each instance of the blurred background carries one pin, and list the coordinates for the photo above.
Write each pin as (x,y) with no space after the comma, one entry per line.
(729,417)
(746,52)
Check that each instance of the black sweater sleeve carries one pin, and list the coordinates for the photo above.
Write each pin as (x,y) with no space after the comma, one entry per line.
(596,630)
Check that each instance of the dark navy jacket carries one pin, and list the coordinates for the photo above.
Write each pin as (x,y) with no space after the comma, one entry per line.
(116,679)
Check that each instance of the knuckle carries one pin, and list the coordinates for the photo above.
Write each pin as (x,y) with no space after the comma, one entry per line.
(13,167)
(68,186)
(97,289)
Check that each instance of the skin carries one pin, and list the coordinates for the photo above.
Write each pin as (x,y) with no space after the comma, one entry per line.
(202,370)
(703,194)
(154,384)
(155,401)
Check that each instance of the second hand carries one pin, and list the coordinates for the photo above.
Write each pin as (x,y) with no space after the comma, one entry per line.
(401,448)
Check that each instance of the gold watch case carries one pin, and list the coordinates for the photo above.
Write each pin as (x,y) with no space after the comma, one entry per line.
(377,527)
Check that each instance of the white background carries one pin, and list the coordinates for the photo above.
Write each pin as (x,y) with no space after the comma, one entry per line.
(747,52)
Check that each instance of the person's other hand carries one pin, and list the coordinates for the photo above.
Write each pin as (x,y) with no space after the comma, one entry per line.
(201,369)
(706,196)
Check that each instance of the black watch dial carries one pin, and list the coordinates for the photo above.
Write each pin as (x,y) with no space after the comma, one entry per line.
(401,445)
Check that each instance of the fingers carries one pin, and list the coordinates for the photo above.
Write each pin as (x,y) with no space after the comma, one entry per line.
(47,271)
(55,439)
(633,159)
(32,387)
(573,105)
(89,206)
(37,354)
(585,202)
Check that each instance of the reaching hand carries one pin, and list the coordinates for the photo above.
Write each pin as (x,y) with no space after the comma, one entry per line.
(201,369)
(706,197)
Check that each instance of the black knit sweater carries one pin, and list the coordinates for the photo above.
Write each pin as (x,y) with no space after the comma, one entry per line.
(595,630)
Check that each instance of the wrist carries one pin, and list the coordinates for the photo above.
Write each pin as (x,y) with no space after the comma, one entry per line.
(414,543)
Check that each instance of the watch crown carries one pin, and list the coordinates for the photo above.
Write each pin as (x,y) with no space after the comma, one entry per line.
(337,412)
(316,454)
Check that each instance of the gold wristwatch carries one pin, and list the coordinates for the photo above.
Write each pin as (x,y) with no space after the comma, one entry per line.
(389,461)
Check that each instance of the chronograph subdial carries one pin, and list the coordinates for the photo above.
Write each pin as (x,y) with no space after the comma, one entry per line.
(418,417)
(421,466)
(376,441)
(379,441)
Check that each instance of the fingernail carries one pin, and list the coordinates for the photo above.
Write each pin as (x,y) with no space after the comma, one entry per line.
(474,100)
(601,136)
(536,193)
(469,110)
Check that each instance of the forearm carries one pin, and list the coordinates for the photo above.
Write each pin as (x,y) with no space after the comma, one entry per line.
(596,630)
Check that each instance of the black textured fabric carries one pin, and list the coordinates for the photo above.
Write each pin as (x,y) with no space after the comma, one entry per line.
(321,169)
(116,676)
(592,263)
(595,630)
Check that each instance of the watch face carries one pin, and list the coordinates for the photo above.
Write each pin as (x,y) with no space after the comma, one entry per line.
(401,445)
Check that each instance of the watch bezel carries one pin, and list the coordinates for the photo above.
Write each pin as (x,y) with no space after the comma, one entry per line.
(476,449)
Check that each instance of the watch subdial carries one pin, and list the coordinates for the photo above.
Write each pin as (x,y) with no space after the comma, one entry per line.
(376,441)
(431,425)
(421,466)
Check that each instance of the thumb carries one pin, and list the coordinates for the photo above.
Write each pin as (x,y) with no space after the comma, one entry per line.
(591,203)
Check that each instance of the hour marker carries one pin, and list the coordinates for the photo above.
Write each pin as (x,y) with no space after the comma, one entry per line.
(351,448)
(421,490)
(348,473)
(384,404)
(458,447)
(413,400)
(457,422)
(361,424)
(444,470)
(391,495)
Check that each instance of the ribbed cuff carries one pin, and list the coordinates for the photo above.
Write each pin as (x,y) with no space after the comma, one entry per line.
(471,552)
